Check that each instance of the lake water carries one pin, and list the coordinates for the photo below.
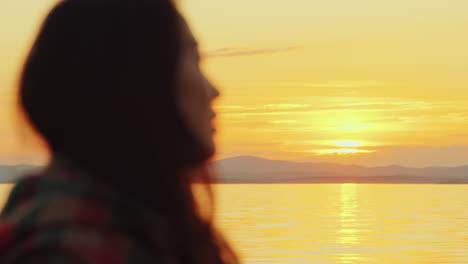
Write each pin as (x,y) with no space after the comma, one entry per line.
(4,192)
(346,223)
(343,223)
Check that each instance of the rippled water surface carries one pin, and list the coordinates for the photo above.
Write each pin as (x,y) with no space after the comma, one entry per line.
(343,223)
(346,223)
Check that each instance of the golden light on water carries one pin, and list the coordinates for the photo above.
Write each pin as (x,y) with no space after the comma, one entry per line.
(347,233)
(345,223)
(5,190)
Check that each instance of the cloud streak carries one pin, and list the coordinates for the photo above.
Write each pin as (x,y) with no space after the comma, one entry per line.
(340,84)
(248,51)
(285,109)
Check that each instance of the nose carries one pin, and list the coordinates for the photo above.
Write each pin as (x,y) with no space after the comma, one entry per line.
(212,90)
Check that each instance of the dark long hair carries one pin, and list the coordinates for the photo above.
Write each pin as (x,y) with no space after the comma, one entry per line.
(99,87)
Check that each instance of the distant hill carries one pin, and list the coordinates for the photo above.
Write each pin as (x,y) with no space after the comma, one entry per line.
(247,169)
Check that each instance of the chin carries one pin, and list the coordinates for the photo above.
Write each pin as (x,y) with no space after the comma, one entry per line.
(208,143)
(211,149)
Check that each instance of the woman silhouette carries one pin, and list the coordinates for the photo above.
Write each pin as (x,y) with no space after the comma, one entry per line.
(115,90)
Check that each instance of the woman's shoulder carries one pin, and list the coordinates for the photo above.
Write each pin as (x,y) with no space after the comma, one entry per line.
(49,219)
(42,231)
(76,245)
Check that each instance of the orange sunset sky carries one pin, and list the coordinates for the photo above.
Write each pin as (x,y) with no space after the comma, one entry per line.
(357,81)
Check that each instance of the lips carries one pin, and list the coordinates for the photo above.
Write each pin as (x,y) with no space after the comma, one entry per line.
(213,127)
(212,115)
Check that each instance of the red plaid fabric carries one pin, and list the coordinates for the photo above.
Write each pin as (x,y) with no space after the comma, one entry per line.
(52,218)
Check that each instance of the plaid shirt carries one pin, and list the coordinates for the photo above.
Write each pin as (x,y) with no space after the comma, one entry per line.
(52,218)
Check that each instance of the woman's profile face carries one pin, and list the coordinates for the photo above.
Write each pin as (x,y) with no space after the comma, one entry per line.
(195,93)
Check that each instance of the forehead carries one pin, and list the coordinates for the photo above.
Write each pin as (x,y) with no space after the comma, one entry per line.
(188,38)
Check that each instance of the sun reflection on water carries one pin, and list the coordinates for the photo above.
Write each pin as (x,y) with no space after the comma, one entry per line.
(345,223)
(348,234)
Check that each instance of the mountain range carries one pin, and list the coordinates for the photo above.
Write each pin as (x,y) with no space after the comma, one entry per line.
(248,169)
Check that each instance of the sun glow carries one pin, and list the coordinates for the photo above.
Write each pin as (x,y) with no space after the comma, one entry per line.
(348,143)
(348,151)
(356,127)
(350,110)
(342,151)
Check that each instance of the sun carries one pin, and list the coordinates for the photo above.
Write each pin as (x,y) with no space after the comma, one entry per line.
(348,143)
(344,147)
(344,151)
